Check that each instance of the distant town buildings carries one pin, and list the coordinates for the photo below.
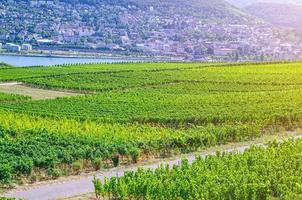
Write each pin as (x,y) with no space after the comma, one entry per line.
(11,47)
(52,25)
(224,51)
(45,41)
(26,47)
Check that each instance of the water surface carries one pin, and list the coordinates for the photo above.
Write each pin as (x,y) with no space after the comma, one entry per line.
(26,61)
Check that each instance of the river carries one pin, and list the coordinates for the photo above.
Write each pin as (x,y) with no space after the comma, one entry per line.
(26,61)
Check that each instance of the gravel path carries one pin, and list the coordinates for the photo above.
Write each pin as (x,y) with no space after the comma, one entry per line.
(82,185)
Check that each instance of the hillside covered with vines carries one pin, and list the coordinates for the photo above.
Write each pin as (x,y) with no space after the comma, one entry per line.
(130,112)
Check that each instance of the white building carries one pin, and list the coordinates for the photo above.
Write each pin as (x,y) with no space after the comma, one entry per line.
(224,51)
(12,47)
(45,41)
(26,47)
(41,2)
(7,45)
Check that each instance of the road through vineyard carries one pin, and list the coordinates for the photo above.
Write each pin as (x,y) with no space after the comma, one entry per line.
(82,185)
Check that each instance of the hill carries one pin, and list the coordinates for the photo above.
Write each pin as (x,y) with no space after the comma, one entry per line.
(245,3)
(193,29)
(127,25)
(215,9)
(289,15)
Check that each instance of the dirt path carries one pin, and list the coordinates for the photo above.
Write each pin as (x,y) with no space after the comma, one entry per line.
(35,93)
(9,84)
(72,186)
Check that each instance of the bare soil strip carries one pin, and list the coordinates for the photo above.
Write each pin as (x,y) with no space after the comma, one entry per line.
(81,185)
(35,93)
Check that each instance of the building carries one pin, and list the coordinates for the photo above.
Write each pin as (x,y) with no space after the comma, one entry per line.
(26,47)
(224,51)
(45,41)
(12,47)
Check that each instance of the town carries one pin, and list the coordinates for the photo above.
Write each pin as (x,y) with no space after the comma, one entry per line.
(129,30)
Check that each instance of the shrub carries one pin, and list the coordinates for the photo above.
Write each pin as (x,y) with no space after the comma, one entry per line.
(134,152)
(97,163)
(116,160)
(24,166)
(5,173)
(54,173)
(98,189)
(77,167)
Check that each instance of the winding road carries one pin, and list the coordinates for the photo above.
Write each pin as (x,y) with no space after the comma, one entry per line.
(82,185)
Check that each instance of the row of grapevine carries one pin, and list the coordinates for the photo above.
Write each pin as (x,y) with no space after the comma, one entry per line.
(122,79)
(258,173)
(4,66)
(4,97)
(158,109)
(31,143)
(185,106)
(40,72)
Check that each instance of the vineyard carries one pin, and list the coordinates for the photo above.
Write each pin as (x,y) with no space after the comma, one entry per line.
(12,98)
(136,111)
(258,173)
(4,66)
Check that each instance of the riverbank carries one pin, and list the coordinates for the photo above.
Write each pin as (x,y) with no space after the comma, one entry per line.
(44,60)
(66,54)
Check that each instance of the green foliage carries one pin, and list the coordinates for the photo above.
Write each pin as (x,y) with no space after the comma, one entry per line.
(35,73)
(97,163)
(6,198)
(134,153)
(77,166)
(23,166)
(142,109)
(36,142)
(4,66)
(12,98)
(99,190)
(258,173)
(5,173)
(54,172)
(198,95)
(116,160)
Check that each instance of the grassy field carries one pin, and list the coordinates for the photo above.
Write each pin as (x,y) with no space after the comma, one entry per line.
(135,111)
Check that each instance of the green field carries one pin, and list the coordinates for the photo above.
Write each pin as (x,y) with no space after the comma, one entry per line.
(130,111)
